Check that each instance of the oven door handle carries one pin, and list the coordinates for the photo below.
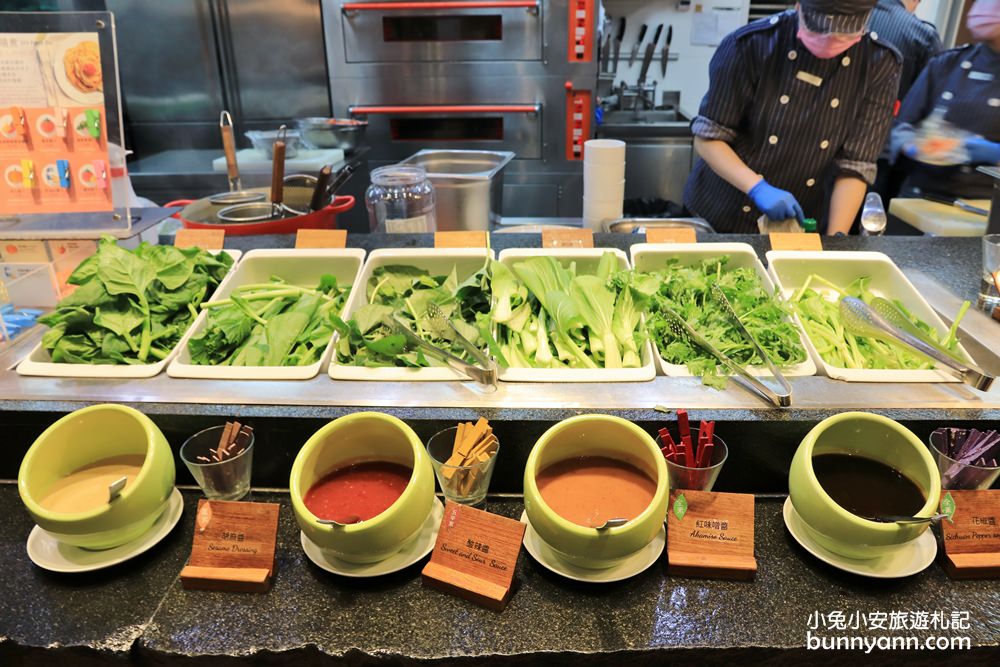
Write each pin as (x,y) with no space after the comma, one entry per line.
(454,4)
(365,110)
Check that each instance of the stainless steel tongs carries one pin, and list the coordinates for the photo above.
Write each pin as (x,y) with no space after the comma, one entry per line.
(485,374)
(782,398)
(862,320)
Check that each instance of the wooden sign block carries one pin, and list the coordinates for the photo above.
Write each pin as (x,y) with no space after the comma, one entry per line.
(233,547)
(475,556)
(321,238)
(206,239)
(567,238)
(794,241)
(972,536)
(460,240)
(711,535)
(671,235)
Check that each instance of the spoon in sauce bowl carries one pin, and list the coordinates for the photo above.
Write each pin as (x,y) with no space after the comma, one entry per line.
(895,518)
(610,523)
(115,488)
(351,520)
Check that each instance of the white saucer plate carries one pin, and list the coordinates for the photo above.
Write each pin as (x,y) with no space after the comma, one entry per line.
(909,559)
(48,553)
(418,547)
(635,564)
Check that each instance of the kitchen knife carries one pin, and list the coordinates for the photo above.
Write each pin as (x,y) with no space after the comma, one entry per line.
(648,58)
(656,35)
(957,203)
(666,52)
(606,55)
(618,43)
(635,47)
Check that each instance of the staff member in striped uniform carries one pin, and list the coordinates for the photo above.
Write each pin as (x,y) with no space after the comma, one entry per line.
(791,97)
(965,84)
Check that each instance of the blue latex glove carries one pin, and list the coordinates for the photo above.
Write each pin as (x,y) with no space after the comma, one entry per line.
(774,203)
(983,151)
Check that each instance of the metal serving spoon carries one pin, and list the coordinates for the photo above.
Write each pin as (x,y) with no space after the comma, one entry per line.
(899,518)
(351,520)
(611,523)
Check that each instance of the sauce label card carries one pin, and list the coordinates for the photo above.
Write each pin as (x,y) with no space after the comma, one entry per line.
(793,241)
(671,235)
(321,238)
(567,238)
(471,239)
(475,556)
(711,535)
(971,535)
(233,546)
(206,239)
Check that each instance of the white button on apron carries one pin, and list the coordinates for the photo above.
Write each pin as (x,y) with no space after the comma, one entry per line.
(845,61)
(792,55)
(783,99)
(873,34)
(774,19)
(834,103)
(811,182)
(746,209)
(772,140)
(824,144)
(947,95)
(994,102)
(966,64)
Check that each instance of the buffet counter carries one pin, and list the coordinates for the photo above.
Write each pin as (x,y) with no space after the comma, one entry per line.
(138,612)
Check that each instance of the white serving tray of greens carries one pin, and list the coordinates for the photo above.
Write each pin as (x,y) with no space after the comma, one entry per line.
(403,283)
(811,280)
(105,318)
(774,329)
(582,303)
(279,326)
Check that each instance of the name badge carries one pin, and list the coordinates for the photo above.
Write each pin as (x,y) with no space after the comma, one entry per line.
(980,76)
(811,79)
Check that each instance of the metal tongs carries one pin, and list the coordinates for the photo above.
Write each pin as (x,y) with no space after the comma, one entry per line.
(680,328)
(883,323)
(484,373)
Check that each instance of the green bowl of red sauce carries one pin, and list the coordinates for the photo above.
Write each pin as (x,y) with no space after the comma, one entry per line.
(368,470)
(586,470)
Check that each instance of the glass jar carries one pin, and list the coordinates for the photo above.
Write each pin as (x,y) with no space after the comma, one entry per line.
(400,200)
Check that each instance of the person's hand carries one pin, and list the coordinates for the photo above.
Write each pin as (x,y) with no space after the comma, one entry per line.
(911,151)
(983,151)
(774,203)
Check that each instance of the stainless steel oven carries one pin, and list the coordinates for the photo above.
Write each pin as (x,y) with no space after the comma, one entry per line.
(512,75)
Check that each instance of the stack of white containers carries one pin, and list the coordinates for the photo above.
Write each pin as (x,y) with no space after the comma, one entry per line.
(603,181)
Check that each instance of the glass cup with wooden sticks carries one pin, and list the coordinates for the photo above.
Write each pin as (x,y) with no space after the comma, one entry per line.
(220,459)
(463,457)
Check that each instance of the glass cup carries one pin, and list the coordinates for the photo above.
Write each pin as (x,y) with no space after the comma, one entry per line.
(989,298)
(692,478)
(461,484)
(228,479)
(955,474)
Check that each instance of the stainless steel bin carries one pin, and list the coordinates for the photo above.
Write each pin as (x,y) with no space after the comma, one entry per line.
(468,186)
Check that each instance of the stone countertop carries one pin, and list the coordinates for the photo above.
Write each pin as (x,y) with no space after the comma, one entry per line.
(138,611)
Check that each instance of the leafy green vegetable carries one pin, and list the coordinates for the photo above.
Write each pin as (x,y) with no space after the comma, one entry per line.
(408,293)
(547,316)
(820,317)
(270,324)
(687,291)
(130,307)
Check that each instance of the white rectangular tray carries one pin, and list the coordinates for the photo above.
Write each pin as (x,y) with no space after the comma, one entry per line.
(586,260)
(38,361)
(298,267)
(437,261)
(790,270)
(648,257)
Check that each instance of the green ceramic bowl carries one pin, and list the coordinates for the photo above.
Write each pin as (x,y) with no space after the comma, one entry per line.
(595,435)
(87,436)
(364,436)
(875,437)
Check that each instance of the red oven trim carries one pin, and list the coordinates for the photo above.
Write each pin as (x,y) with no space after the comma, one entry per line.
(456,4)
(454,108)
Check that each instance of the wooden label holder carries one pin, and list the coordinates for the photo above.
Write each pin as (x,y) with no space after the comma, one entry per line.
(321,238)
(567,238)
(711,535)
(475,556)
(671,235)
(459,239)
(206,239)
(794,241)
(972,537)
(233,547)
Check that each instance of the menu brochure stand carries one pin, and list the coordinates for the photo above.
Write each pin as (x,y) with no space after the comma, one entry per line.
(475,556)
(971,536)
(233,549)
(711,535)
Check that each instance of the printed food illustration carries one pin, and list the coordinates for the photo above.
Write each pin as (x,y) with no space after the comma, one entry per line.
(83,67)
